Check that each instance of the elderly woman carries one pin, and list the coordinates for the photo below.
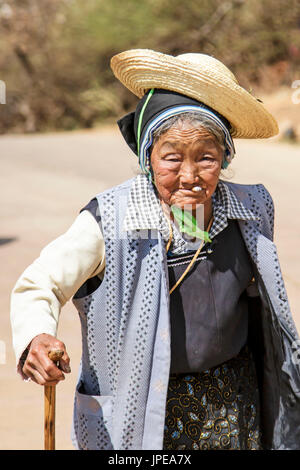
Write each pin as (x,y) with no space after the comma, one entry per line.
(187,336)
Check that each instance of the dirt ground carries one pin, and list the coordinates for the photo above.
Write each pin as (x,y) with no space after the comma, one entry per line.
(44,181)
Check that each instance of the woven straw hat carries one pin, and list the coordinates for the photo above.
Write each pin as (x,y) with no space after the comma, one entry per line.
(198,76)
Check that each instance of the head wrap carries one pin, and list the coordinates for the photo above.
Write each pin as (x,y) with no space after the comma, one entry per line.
(153,109)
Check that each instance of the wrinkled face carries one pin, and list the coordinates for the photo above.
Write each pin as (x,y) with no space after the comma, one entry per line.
(183,157)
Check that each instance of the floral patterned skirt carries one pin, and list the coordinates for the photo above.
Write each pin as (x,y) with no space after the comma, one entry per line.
(214,409)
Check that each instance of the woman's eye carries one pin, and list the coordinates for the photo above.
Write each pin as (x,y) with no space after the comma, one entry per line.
(172,158)
(208,159)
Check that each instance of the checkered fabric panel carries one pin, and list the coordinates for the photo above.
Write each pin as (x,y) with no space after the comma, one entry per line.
(145,212)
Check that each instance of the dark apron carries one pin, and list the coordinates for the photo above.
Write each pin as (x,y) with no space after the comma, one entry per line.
(213,399)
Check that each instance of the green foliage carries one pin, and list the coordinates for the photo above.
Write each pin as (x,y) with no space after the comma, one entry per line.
(55,54)
(187,223)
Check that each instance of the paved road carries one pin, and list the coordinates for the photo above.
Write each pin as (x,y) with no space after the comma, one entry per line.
(44,181)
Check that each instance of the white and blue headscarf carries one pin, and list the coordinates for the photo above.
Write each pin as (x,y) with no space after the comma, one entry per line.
(156,107)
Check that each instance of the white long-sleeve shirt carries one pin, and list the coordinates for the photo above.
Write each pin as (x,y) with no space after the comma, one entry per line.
(53,278)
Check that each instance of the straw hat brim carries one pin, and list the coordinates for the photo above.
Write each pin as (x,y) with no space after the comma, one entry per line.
(208,81)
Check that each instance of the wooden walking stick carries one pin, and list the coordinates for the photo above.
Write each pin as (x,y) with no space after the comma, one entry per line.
(49,398)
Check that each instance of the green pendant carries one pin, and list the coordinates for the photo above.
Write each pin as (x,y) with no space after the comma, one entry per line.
(188,224)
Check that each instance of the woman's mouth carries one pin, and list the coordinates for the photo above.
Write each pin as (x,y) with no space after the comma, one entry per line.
(191,192)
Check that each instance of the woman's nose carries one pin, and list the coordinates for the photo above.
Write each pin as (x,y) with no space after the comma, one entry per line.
(189,173)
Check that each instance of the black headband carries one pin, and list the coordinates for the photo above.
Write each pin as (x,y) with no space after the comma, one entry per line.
(160,101)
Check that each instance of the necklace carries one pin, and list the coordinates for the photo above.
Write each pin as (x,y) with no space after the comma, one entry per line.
(194,257)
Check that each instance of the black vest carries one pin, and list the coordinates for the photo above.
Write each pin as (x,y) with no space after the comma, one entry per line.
(209,309)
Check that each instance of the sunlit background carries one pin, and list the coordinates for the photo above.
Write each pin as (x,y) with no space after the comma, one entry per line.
(54,54)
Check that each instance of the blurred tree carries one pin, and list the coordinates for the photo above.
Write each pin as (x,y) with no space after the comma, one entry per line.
(54,54)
